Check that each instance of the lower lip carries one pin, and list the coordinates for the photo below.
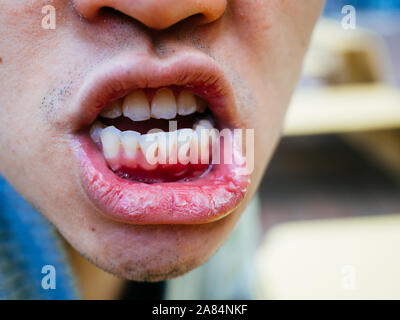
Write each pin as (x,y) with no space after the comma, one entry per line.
(205,199)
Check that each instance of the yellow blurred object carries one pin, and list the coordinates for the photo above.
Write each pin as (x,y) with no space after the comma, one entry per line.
(354,93)
(339,55)
(351,258)
(343,108)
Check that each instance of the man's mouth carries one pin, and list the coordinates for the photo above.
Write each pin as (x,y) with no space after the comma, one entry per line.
(156,135)
(149,137)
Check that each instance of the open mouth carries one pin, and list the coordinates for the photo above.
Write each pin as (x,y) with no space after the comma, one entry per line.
(157,135)
(149,146)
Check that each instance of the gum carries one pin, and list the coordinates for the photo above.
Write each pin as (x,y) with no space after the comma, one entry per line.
(164,173)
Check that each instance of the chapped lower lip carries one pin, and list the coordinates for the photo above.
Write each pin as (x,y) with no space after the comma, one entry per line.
(205,199)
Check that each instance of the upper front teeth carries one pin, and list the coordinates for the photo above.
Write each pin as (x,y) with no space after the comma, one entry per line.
(163,105)
(114,110)
(186,103)
(136,106)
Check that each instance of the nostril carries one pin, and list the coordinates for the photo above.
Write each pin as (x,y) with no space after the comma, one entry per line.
(156,14)
(109,12)
(87,9)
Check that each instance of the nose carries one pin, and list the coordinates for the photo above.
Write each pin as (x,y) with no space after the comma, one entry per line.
(156,14)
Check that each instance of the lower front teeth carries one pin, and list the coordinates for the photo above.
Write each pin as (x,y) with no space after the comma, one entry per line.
(130,142)
(110,140)
(131,149)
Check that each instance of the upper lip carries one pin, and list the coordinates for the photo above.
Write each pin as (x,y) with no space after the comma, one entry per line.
(196,71)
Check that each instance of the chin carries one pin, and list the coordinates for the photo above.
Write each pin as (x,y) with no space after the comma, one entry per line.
(149,252)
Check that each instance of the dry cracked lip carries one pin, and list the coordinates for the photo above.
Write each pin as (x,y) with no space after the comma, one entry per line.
(122,174)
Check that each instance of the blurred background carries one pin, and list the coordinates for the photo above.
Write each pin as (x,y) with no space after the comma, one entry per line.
(330,200)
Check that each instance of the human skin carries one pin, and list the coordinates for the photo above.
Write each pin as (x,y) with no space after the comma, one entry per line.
(259,45)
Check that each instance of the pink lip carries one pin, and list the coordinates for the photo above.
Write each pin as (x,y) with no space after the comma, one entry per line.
(202,200)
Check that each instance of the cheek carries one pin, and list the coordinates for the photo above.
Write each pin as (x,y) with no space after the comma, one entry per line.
(269,38)
(265,26)
(260,42)
(25,47)
(22,31)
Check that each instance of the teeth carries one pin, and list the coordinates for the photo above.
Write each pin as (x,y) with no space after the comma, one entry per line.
(163,105)
(149,145)
(204,145)
(185,137)
(206,135)
(149,150)
(162,147)
(110,140)
(95,132)
(201,105)
(130,143)
(167,148)
(195,151)
(130,148)
(186,103)
(203,124)
(114,110)
(136,106)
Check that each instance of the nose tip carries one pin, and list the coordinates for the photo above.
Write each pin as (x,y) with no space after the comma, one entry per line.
(156,14)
